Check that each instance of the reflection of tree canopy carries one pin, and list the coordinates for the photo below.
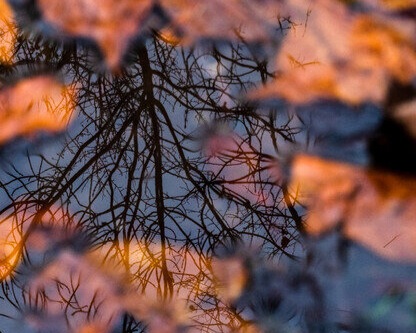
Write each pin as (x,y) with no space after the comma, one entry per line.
(133,175)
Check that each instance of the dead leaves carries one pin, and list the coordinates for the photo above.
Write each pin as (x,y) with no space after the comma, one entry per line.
(231,278)
(387,45)
(76,280)
(374,208)
(337,53)
(390,5)
(216,19)
(10,237)
(33,104)
(330,52)
(8,33)
(112,24)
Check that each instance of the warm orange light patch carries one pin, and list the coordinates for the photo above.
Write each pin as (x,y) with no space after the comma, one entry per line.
(34,104)
(87,285)
(198,19)
(92,328)
(337,53)
(56,225)
(114,23)
(169,36)
(387,46)
(111,24)
(231,277)
(140,260)
(142,263)
(399,4)
(390,5)
(10,237)
(8,33)
(376,209)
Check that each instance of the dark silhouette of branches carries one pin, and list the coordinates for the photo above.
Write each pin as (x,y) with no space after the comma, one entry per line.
(133,175)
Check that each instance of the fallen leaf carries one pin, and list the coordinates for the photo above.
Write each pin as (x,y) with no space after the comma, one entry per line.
(8,33)
(337,53)
(91,328)
(111,23)
(18,234)
(114,24)
(405,113)
(35,104)
(161,290)
(92,293)
(310,59)
(373,208)
(231,276)
(253,20)
(389,44)
(10,237)
(163,316)
(390,5)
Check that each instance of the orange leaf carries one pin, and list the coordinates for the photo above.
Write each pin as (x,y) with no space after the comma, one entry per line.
(251,20)
(392,5)
(405,113)
(374,208)
(231,276)
(342,55)
(111,23)
(10,237)
(8,33)
(87,283)
(386,44)
(34,104)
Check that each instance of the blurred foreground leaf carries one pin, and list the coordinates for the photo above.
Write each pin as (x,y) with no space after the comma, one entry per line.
(337,53)
(390,5)
(114,25)
(252,20)
(10,237)
(35,104)
(373,208)
(8,33)
(111,24)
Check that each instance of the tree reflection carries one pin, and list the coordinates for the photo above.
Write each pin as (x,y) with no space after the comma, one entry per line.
(140,176)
